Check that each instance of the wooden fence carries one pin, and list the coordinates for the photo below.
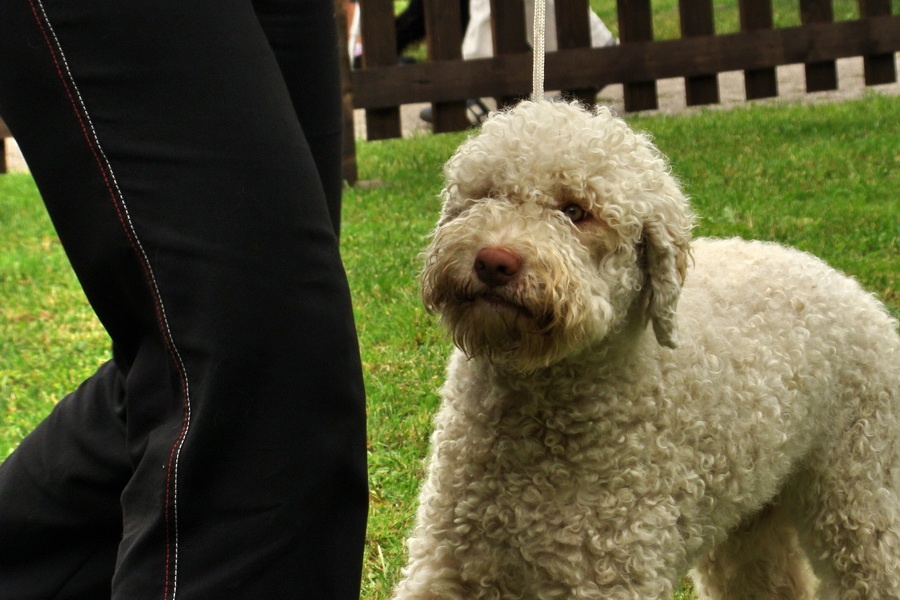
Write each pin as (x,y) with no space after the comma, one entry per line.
(381,86)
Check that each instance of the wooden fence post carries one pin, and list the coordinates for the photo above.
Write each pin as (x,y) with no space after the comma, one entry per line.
(574,31)
(636,25)
(4,147)
(759,83)
(379,43)
(442,24)
(508,31)
(820,76)
(349,170)
(878,68)
(697,20)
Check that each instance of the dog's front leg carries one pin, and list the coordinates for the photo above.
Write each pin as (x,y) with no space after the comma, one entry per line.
(435,570)
(498,546)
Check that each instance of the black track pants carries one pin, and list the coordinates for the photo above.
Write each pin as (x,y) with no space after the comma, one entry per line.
(188,154)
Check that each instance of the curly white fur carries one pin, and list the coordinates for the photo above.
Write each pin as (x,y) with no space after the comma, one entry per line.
(578,456)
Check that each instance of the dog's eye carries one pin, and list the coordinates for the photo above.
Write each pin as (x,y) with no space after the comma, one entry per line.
(575,213)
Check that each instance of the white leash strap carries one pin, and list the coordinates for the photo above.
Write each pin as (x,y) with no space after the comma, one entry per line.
(537,73)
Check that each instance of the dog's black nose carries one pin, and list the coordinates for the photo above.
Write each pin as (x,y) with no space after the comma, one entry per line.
(496,266)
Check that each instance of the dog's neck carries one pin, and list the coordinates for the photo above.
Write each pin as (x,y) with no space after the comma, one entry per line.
(542,394)
(607,359)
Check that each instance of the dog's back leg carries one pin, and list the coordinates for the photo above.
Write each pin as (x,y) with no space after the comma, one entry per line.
(761,559)
(848,507)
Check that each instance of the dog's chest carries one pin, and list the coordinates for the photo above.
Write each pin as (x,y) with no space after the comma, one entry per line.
(541,458)
(537,476)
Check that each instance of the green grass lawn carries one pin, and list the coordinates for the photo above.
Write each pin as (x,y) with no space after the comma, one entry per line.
(49,338)
(821,177)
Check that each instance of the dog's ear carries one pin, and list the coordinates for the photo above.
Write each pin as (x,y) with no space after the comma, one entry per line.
(665,258)
(449,199)
(455,201)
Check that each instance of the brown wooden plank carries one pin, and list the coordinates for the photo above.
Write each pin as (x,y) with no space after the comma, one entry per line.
(444,38)
(349,169)
(508,27)
(574,31)
(572,27)
(820,76)
(626,63)
(697,20)
(756,15)
(443,28)
(508,30)
(4,146)
(878,68)
(378,32)
(635,26)
(379,35)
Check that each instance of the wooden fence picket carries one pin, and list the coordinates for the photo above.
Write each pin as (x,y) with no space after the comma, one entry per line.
(879,67)
(697,20)
(820,76)
(759,82)
(636,27)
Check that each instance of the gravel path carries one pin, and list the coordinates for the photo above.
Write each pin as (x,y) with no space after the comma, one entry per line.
(791,87)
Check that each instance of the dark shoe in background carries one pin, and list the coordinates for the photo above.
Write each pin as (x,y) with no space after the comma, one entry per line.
(476,110)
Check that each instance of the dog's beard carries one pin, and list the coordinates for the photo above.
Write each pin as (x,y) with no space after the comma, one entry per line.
(497,328)
(518,331)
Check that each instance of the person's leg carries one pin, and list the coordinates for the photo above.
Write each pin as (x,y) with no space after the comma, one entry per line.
(307,52)
(601,36)
(478,41)
(164,142)
(60,519)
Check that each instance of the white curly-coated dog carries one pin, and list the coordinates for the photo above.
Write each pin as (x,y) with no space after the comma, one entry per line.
(625,404)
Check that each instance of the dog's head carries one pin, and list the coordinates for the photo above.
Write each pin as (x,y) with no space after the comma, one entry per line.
(560,227)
